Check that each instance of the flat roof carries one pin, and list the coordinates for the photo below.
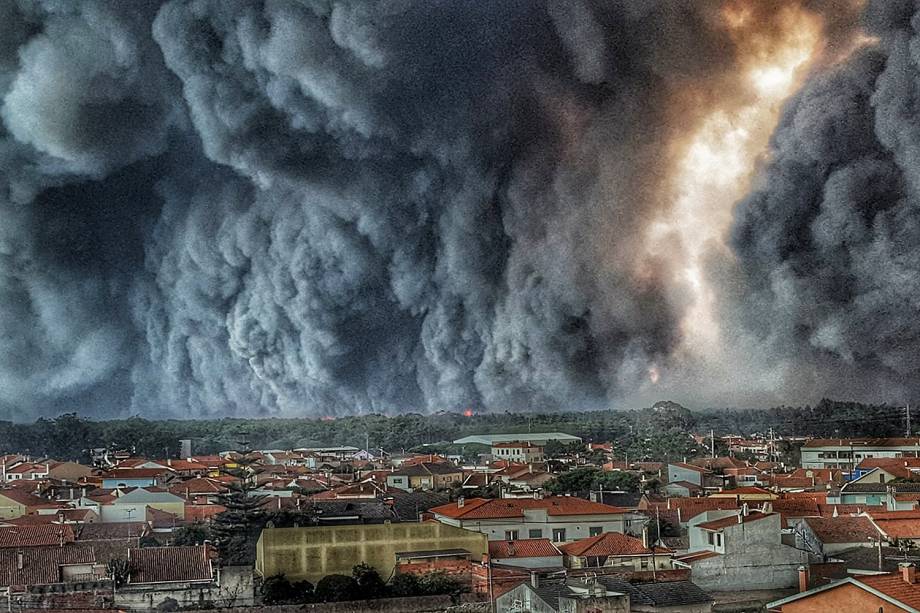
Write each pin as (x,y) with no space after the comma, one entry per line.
(524,437)
(437,553)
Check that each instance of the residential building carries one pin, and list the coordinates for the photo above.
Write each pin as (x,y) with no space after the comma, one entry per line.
(847,453)
(688,473)
(830,535)
(742,552)
(133,505)
(68,471)
(558,597)
(891,592)
(526,553)
(425,476)
(185,574)
(615,550)
(16,503)
(135,477)
(558,518)
(517,451)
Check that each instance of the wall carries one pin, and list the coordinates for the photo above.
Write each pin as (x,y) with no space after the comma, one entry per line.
(676,473)
(235,588)
(314,552)
(843,599)
(576,527)
(421,604)
(698,540)
(755,559)
(543,562)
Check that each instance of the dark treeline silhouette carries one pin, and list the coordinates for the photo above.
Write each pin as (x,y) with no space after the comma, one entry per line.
(658,431)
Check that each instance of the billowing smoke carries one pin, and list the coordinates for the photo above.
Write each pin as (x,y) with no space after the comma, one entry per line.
(239,207)
(828,277)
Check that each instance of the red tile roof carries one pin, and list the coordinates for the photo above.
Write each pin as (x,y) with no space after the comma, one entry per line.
(135,473)
(198,485)
(481,508)
(842,529)
(746,490)
(827,510)
(895,587)
(36,536)
(41,565)
(731,520)
(24,498)
(610,544)
(523,548)
(165,564)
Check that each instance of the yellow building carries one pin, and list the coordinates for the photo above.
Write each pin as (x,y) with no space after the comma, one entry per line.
(314,552)
(747,494)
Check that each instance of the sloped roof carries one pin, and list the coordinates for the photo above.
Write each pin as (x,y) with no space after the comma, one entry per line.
(163,564)
(523,548)
(731,520)
(103,531)
(686,466)
(481,508)
(659,594)
(36,536)
(610,544)
(41,565)
(842,529)
(24,498)
(142,495)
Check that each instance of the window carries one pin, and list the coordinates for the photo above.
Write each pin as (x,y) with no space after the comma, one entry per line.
(595,531)
(710,538)
(558,535)
(719,539)
(511,535)
(535,533)
(643,564)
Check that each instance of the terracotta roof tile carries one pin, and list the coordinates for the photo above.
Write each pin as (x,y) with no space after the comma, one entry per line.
(731,520)
(162,564)
(35,536)
(523,548)
(895,587)
(842,529)
(610,544)
(480,508)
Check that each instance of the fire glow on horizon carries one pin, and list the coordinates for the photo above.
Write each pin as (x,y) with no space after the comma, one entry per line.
(716,167)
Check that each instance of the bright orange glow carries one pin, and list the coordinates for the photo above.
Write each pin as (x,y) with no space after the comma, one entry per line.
(468,413)
(718,160)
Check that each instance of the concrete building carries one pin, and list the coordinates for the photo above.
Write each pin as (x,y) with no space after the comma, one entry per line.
(314,552)
(742,552)
(133,505)
(847,453)
(523,452)
(829,535)
(681,472)
(538,438)
(558,518)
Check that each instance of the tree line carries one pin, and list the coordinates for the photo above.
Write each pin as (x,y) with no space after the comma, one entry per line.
(656,432)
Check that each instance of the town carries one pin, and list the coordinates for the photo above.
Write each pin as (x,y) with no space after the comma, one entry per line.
(536,521)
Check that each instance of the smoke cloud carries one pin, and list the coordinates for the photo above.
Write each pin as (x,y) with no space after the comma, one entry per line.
(316,208)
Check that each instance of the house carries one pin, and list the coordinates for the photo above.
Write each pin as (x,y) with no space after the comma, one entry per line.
(897,525)
(895,592)
(683,489)
(748,494)
(688,473)
(558,518)
(68,471)
(133,505)
(518,451)
(744,551)
(185,574)
(830,535)
(31,567)
(526,553)
(553,597)
(539,438)
(16,503)
(199,488)
(135,477)
(26,471)
(425,476)
(612,549)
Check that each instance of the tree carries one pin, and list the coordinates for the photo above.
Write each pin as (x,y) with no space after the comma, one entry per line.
(168,604)
(336,588)
(277,589)
(237,529)
(193,534)
(118,570)
(370,585)
(404,585)
(439,582)
(616,480)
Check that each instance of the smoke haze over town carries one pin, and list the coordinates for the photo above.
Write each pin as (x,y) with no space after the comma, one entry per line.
(329,207)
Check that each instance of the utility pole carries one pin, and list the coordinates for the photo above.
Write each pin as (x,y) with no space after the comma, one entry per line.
(907,410)
(712,443)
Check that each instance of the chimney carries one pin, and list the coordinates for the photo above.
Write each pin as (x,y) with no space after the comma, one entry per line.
(645,536)
(908,572)
(534,579)
(744,509)
(19,560)
(803,579)
(460,502)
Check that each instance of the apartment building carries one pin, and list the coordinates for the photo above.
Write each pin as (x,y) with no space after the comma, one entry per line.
(846,453)
(524,452)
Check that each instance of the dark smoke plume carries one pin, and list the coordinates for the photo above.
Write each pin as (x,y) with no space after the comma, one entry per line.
(319,207)
(829,240)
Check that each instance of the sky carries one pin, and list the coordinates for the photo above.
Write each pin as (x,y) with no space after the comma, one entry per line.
(328,207)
